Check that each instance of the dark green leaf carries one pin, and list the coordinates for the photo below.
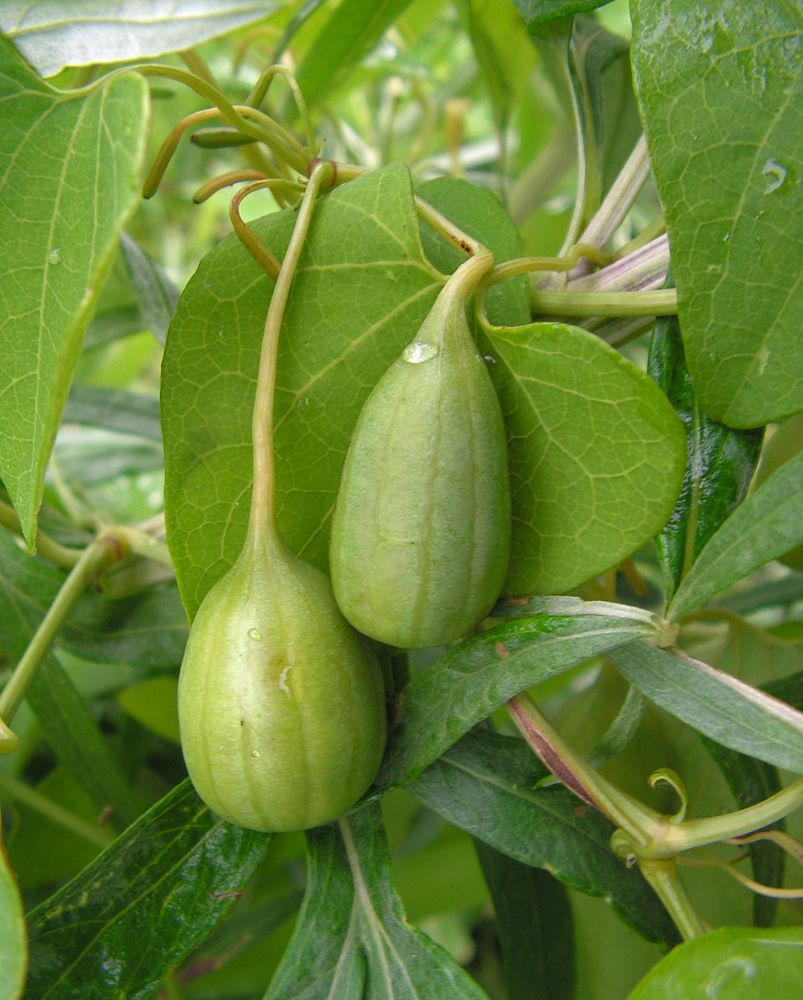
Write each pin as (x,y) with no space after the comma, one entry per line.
(352,939)
(114,410)
(132,915)
(739,963)
(718,84)
(767,524)
(486,785)
(538,12)
(466,684)
(720,706)
(156,292)
(353,29)
(534,922)
(70,32)
(69,169)
(720,465)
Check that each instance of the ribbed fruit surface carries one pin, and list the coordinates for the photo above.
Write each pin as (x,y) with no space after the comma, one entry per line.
(281,707)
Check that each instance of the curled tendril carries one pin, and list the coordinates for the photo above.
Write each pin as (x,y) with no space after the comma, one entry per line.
(261,254)
(666,776)
(260,91)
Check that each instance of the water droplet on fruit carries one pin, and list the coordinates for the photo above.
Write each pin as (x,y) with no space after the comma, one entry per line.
(418,352)
(255,634)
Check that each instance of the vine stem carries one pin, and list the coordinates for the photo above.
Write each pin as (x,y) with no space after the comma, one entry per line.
(662,875)
(45,545)
(262,514)
(106,548)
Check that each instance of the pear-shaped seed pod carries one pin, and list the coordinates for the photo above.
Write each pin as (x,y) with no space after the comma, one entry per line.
(281,707)
(421,528)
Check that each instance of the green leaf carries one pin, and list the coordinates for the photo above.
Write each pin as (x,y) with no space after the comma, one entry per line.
(351,938)
(466,684)
(717,83)
(156,293)
(12,932)
(766,525)
(539,12)
(534,923)
(596,454)
(114,410)
(721,460)
(69,171)
(486,785)
(739,963)
(353,29)
(714,703)
(174,874)
(361,291)
(70,32)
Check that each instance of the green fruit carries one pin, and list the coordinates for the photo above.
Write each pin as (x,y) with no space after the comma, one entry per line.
(421,528)
(281,707)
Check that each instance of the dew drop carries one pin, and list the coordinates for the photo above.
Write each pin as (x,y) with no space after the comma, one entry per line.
(489,359)
(54,255)
(303,403)
(418,352)
(255,634)
(255,754)
(775,173)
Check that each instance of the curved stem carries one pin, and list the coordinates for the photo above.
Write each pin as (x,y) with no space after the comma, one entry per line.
(569,303)
(261,254)
(446,228)
(260,89)
(262,514)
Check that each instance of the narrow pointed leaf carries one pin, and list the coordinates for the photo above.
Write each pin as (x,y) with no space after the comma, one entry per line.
(714,703)
(473,679)
(534,922)
(115,410)
(352,938)
(487,785)
(721,460)
(156,292)
(718,83)
(768,524)
(69,169)
(174,873)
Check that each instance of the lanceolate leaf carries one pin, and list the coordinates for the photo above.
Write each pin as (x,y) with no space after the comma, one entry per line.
(766,525)
(12,932)
(174,874)
(466,684)
(596,454)
(156,292)
(535,927)
(486,785)
(71,32)
(114,409)
(714,703)
(69,170)
(352,939)
(720,465)
(719,86)
(734,962)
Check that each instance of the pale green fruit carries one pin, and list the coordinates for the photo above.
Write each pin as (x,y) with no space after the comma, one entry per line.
(421,528)
(281,707)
